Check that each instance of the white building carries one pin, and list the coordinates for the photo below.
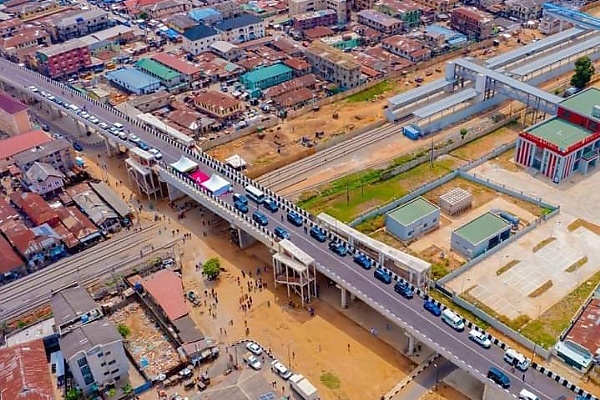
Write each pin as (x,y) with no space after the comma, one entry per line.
(90,344)
(198,39)
(241,29)
(43,178)
(341,8)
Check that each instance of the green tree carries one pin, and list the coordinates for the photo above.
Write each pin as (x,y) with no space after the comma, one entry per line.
(127,389)
(582,75)
(143,15)
(212,268)
(463,133)
(73,394)
(123,330)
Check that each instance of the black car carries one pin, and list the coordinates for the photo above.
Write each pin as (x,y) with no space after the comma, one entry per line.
(77,146)
(403,289)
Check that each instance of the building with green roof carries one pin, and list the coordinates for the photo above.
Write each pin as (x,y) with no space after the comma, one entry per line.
(565,143)
(412,219)
(265,77)
(480,235)
(167,76)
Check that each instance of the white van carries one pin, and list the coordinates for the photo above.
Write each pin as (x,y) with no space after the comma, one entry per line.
(527,395)
(516,359)
(453,320)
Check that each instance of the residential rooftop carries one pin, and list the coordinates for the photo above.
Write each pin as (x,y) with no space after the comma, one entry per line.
(64,47)
(165,288)
(559,132)
(176,63)
(585,330)
(70,304)
(86,337)
(161,71)
(11,105)
(199,32)
(238,22)
(412,211)
(24,373)
(583,103)
(482,228)
(261,74)
(20,143)
(132,77)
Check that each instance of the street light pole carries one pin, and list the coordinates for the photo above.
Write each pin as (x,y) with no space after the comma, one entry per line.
(437,376)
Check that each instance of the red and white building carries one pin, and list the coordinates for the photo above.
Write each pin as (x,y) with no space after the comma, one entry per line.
(565,143)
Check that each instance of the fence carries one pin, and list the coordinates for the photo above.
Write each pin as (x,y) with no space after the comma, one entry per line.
(453,143)
(226,138)
(505,330)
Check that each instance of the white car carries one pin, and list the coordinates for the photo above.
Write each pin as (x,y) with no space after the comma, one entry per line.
(253,362)
(103,125)
(480,338)
(33,89)
(84,114)
(157,154)
(281,370)
(93,119)
(254,348)
(133,138)
(50,97)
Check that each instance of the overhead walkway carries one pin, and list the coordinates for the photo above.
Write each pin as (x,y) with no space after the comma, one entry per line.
(490,83)
(558,59)
(578,18)
(505,60)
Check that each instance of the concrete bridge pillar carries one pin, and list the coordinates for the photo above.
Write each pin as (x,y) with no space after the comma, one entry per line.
(344,298)
(244,239)
(411,344)
(109,149)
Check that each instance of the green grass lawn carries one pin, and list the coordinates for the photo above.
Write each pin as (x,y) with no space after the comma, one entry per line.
(349,197)
(372,92)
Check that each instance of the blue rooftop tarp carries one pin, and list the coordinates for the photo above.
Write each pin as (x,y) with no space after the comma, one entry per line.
(171,34)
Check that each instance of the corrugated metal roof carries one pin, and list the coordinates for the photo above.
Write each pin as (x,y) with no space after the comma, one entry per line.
(166,288)
(156,68)
(445,103)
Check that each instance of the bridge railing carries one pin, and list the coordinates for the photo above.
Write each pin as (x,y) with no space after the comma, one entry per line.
(257,229)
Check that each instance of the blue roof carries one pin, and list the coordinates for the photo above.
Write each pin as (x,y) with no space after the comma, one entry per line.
(238,22)
(171,34)
(198,32)
(132,77)
(200,14)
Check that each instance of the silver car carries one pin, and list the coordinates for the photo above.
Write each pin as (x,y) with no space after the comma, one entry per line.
(480,338)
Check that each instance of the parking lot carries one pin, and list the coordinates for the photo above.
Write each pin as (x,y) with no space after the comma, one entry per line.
(514,281)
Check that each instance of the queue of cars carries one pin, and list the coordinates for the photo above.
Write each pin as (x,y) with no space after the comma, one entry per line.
(401,287)
(117,129)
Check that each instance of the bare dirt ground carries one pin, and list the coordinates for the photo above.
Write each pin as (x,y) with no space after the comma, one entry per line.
(314,344)
(146,341)
(351,116)
(444,392)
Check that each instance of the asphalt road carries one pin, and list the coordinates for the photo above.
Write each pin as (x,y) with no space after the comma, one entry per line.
(454,345)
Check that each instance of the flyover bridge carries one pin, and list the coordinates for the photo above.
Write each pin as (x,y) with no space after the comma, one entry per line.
(353,280)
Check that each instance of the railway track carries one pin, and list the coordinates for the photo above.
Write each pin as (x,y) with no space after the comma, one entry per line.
(288,176)
(79,269)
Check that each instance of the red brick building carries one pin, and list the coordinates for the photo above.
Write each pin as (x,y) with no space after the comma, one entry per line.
(474,23)
(63,58)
